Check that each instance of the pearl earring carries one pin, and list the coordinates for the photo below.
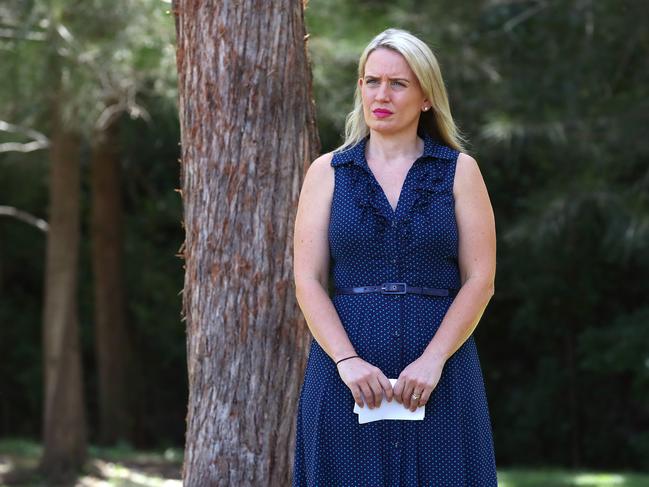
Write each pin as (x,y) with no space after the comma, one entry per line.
(426,109)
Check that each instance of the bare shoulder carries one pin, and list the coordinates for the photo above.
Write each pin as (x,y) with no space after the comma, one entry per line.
(319,176)
(321,166)
(311,251)
(468,178)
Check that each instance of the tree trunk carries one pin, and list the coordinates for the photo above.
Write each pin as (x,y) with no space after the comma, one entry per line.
(111,336)
(248,132)
(64,422)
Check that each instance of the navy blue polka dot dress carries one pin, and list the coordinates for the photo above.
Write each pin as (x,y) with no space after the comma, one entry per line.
(370,243)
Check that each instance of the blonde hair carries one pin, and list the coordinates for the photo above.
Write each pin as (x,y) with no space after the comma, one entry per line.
(438,122)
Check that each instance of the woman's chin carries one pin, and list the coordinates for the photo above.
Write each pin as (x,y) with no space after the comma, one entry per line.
(381,125)
(385,128)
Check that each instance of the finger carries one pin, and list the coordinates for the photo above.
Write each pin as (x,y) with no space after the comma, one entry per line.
(386,385)
(377,390)
(398,390)
(407,394)
(375,385)
(367,394)
(356,392)
(426,396)
(414,403)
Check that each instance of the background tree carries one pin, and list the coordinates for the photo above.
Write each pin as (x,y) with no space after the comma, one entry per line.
(92,78)
(553,96)
(64,417)
(248,132)
(114,349)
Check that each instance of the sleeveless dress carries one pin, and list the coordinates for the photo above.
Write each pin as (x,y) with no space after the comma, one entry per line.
(371,244)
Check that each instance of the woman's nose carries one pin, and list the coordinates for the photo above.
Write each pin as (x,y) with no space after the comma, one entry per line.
(382,92)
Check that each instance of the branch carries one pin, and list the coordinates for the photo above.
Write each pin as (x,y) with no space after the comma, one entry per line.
(40,141)
(25,217)
(523,16)
(20,147)
(9,32)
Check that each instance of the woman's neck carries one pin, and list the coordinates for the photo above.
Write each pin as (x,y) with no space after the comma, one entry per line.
(394,148)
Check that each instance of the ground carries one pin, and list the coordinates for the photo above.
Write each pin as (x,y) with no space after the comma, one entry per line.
(124,467)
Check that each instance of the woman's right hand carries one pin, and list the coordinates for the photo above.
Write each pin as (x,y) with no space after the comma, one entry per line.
(363,377)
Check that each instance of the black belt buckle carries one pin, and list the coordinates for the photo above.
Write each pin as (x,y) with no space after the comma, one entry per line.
(393,288)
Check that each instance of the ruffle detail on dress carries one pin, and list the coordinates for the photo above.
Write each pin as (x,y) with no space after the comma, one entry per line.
(428,183)
(367,197)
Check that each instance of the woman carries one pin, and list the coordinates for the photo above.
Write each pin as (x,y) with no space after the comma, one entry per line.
(402,221)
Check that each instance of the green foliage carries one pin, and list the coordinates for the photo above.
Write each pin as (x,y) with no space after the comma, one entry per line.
(114,56)
(107,52)
(553,96)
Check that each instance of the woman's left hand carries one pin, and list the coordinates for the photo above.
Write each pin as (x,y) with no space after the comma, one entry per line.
(420,377)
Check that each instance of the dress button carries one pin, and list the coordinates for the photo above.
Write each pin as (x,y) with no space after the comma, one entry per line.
(396,333)
(396,444)
(394,261)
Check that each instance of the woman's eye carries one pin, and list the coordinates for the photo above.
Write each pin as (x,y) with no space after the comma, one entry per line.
(392,83)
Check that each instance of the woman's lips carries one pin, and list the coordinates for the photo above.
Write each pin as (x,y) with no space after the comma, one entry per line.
(380,113)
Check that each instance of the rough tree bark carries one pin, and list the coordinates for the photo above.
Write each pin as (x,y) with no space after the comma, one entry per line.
(111,335)
(248,133)
(64,419)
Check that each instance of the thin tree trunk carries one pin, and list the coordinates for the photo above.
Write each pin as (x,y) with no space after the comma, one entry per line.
(573,401)
(248,133)
(111,336)
(64,422)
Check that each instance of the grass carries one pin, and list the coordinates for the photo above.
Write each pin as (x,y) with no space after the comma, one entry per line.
(123,466)
(566,478)
(119,466)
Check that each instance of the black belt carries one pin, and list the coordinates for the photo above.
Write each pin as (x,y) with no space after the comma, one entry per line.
(397,288)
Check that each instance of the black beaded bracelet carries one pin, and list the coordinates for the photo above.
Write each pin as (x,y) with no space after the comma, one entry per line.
(353,356)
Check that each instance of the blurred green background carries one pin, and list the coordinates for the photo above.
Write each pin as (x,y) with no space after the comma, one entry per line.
(553,96)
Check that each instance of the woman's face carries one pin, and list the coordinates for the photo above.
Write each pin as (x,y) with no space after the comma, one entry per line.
(392,96)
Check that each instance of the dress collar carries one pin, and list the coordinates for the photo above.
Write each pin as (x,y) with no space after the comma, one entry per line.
(356,153)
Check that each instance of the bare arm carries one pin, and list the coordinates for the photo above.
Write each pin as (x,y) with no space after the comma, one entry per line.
(477,263)
(477,260)
(311,270)
(311,260)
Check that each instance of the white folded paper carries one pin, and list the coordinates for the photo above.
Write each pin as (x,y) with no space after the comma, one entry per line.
(388,410)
